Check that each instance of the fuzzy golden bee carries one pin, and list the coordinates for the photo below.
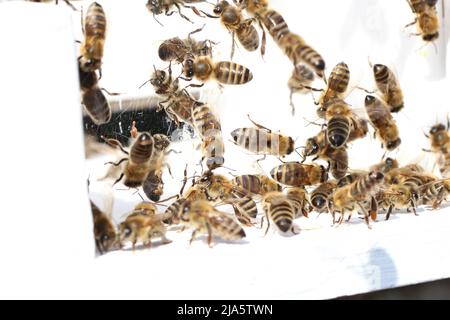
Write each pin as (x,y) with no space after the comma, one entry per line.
(94,30)
(386,129)
(427,20)
(92,97)
(354,196)
(225,72)
(297,174)
(203,217)
(439,137)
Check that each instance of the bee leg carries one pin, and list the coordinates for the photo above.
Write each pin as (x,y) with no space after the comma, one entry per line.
(116,164)
(195,31)
(194,233)
(426,150)
(118,179)
(99,73)
(194,9)
(373,209)
(209,235)
(82,20)
(260,159)
(133,245)
(291,102)
(388,214)
(69,4)
(268,224)
(154,17)
(410,24)
(413,206)
(233,45)
(366,215)
(115,144)
(259,126)
(263,40)
(179,12)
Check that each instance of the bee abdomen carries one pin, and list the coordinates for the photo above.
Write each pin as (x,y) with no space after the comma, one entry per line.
(245,205)
(95,21)
(173,212)
(282,215)
(248,37)
(276,25)
(229,229)
(381,73)
(249,183)
(227,72)
(97,106)
(153,186)
(142,149)
(308,55)
(338,130)
(339,164)
(339,78)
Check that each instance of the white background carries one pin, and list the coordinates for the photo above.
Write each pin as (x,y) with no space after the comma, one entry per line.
(46,241)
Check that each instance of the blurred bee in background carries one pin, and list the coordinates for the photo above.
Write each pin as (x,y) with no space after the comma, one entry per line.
(94,30)
(104,230)
(299,201)
(263,141)
(389,87)
(297,174)
(203,217)
(386,129)
(299,82)
(157,7)
(385,166)
(319,147)
(225,72)
(178,50)
(439,137)
(139,227)
(426,21)
(173,212)
(56,2)
(321,195)
(357,194)
(435,192)
(234,21)
(279,209)
(137,164)
(209,129)
(177,103)
(92,97)
(253,184)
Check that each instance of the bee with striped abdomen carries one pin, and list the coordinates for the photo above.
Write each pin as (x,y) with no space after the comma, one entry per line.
(299,201)
(389,87)
(279,209)
(321,195)
(297,174)
(94,30)
(386,129)
(225,72)
(203,217)
(104,230)
(253,184)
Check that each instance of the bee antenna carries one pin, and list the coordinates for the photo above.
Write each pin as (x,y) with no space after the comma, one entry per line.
(144,83)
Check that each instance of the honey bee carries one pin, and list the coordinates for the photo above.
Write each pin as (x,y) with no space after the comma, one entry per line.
(337,83)
(225,72)
(56,2)
(397,197)
(209,129)
(359,129)
(340,122)
(299,201)
(426,21)
(299,82)
(232,18)
(439,137)
(319,147)
(321,195)
(256,184)
(219,188)
(138,161)
(94,30)
(203,217)
(157,7)
(435,192)
(389,87)
(386,129)
(354,195)
(93,99)
(145,208)
(408,176)
(153,185)
(104,230)
(385,166)
(297,174)
(173,212)
(142,228)
(278,209)
(263,141)
(176,49)
(178,103)
(351,177)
